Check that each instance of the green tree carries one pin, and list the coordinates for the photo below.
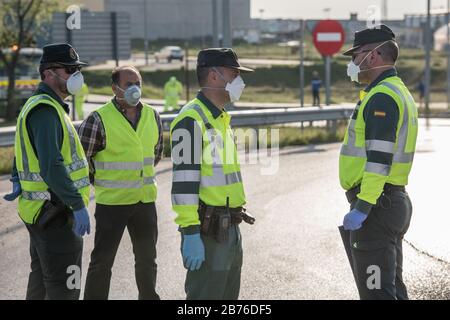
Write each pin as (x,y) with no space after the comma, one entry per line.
(19,19)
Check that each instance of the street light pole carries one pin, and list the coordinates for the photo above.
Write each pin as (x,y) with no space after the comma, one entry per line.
(427,61)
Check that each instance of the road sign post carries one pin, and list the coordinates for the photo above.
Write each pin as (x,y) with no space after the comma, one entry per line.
(327,80)
(328,38)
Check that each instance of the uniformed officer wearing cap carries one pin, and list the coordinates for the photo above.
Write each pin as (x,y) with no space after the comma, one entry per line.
(207,190)
(50,178)
(374,165)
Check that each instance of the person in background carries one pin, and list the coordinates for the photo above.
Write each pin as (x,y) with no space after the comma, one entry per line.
(80,98)
(316,83)
(173,89)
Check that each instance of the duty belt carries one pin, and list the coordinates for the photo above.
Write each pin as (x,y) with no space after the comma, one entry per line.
(206,210)
(215,221)
(388,189)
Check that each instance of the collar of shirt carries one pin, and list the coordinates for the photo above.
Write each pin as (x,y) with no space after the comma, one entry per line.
(215,112)
(123,111)
(44,88)
(391,72)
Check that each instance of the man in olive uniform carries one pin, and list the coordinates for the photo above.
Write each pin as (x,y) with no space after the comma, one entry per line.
(374,165)
(50,177)
(207,189)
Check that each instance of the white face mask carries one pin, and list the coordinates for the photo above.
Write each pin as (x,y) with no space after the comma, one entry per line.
(234,88)
(354,70)
(74,83)
(131,95)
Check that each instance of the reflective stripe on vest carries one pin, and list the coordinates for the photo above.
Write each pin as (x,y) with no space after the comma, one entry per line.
(124,184)
(123,165)
(36,195)
(400,156)
(185,199)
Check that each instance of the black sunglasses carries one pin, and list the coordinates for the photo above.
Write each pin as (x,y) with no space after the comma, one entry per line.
(68,69)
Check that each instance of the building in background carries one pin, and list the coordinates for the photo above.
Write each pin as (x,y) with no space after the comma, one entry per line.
(102,35)
(415,26)
(441,37)
(187,19)
(180,19)
(91,5)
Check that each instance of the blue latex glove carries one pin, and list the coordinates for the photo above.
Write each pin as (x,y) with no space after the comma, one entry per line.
(193,251)
(81,224)
(17,190)
(354,219)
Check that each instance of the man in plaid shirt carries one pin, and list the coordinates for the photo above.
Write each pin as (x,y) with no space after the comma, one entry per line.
(123,142)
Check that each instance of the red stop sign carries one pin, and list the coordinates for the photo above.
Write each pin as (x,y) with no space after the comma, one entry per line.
(328,37)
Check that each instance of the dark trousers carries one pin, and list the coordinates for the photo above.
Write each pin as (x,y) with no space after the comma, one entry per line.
(219,277)
(316,98)
(378,246)
(141,222)
(55,260)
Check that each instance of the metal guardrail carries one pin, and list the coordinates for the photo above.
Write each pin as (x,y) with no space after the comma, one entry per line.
(247,118)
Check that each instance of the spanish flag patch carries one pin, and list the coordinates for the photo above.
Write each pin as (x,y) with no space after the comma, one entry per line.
(379,114)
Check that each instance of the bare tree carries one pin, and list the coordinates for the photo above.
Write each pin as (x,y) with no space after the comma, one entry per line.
(18,21)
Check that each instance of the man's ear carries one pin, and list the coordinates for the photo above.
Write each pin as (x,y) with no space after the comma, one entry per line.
(374,56)
(48,73)
(114,89)
(212,75)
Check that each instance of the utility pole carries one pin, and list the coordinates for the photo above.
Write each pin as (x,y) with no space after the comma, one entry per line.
(186,67)
(384,10)
(302,66)
(215,25)
(447,47)
(261,11)
(145,33)
(427,62)
(227,37)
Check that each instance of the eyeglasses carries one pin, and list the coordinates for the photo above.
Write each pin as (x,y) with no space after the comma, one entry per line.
(68,69)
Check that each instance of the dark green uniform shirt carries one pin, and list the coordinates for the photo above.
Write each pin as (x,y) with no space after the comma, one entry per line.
(46,137)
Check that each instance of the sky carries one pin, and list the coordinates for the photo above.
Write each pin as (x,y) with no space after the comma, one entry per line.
(339,9)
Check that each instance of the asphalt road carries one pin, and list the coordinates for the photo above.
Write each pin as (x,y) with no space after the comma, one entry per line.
(294,250)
